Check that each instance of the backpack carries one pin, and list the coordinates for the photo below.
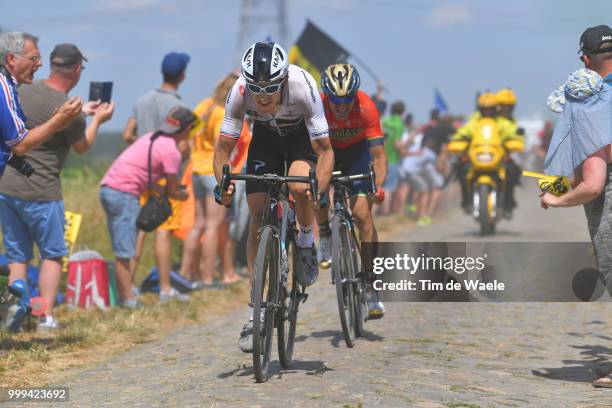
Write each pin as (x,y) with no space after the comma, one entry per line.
(177,281)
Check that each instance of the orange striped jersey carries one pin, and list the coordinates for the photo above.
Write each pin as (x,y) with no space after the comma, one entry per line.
(362,123)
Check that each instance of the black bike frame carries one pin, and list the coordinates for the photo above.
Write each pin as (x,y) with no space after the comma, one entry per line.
(341,196)
(276,194)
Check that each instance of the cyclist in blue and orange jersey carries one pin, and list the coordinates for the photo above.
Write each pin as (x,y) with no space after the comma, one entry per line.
(357,140)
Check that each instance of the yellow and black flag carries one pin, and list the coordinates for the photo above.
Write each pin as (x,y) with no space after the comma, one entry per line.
(315,51)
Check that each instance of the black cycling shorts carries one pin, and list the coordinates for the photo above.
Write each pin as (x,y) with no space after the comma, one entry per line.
(268,153)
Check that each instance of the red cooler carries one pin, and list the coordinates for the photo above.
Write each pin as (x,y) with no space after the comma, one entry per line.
(88,281)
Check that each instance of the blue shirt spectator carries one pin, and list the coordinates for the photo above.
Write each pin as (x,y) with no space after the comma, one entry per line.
(19,60)
(12,120)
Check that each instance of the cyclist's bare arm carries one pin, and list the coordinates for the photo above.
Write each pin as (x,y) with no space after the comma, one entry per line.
(225,146)
(379,158)
(325,161)
(230,129)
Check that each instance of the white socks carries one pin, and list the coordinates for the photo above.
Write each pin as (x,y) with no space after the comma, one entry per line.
(305,237)
(262,314)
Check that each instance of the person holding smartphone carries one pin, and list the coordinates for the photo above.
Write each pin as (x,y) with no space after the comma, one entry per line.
(32,208)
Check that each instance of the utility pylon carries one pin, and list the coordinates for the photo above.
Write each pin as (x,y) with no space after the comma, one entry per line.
(262,19)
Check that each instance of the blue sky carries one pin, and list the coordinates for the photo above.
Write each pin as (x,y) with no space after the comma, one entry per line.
(413,46)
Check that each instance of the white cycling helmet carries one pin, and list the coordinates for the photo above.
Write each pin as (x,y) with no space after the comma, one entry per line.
(264,62)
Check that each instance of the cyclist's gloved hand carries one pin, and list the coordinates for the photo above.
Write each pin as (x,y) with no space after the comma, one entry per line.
(224,198)
(379,195)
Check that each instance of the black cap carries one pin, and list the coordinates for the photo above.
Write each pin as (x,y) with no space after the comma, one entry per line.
(66,55)
(178,119)
(593,37)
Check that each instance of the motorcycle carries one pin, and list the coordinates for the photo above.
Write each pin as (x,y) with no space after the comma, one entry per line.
(485,156)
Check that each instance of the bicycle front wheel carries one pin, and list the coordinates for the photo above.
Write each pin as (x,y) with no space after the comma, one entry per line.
(265,294)
(341,261)
(290,300)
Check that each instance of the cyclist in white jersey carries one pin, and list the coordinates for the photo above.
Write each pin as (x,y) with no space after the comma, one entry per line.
(289,126)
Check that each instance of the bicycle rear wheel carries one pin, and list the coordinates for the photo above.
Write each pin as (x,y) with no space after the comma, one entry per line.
(287,316)
(341,261)
(265,294)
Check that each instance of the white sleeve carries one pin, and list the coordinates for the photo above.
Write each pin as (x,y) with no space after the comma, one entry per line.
(314,114)
(234,111)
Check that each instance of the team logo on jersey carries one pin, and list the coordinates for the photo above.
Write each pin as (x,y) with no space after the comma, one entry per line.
(257,164)
(344,134)
(241,89)
(312,94)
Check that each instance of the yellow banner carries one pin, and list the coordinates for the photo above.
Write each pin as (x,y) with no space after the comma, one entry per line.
(71,232)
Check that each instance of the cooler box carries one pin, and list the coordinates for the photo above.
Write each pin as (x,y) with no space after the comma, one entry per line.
(88,281)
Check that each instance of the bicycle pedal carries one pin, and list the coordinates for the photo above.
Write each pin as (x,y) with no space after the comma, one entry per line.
(303,297)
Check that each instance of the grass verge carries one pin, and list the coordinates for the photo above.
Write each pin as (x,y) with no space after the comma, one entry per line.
(91,336)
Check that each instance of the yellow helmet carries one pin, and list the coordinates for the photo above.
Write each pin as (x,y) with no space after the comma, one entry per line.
(487,100)
(505,96)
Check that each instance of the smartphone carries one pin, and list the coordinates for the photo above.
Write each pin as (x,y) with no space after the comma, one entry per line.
(100,91)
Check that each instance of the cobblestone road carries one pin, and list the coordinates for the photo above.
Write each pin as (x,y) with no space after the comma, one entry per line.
(419,355)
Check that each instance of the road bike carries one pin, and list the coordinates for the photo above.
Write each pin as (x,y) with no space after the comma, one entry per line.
(347,274)
(276,294)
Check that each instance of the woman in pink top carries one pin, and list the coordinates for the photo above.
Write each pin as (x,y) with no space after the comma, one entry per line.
(128,177)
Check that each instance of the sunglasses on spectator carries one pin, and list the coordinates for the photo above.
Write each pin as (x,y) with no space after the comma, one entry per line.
(337,100)
(270,89)
(35,58)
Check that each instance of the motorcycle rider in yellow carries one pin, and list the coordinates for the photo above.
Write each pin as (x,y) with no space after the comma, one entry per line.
(506,101)
(488,107)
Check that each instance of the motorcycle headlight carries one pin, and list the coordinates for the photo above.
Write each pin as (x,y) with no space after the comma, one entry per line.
(484,157)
